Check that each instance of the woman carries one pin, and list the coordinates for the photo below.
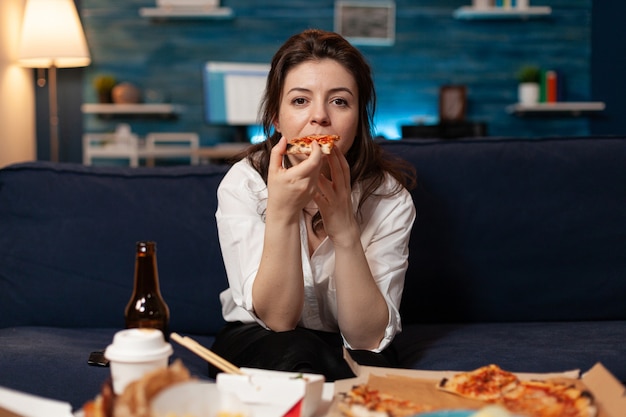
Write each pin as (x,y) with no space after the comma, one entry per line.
(315,246)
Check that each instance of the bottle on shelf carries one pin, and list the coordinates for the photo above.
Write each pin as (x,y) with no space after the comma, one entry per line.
(146,307)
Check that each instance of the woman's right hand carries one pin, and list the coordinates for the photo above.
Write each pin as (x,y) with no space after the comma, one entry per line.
(278,288)
(289,190)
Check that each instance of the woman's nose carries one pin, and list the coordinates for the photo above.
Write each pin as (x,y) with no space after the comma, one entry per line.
(319,115)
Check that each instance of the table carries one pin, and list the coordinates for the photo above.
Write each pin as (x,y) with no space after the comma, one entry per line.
(222,151)
(133,149)
(448,130)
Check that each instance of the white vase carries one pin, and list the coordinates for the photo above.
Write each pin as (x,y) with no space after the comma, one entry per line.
(528,93)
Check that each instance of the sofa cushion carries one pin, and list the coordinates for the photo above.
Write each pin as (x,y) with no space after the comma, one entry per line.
(67,243)
(516,230)
(517,347)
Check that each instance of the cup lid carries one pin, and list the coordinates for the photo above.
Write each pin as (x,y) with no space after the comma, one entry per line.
(138,345)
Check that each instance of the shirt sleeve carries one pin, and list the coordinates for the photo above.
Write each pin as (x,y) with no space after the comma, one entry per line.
(385,241)
(242,200)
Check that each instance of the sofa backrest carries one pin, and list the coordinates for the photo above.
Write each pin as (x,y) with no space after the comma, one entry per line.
(67,243)
(517,230)
(507,230)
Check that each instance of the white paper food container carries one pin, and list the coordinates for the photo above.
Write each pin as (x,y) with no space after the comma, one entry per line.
(274,393)
(198,399)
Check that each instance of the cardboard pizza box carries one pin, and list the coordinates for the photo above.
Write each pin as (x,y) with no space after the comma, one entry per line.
(609,393)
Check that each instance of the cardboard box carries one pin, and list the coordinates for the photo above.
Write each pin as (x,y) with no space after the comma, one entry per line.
(609,393)
(414,385)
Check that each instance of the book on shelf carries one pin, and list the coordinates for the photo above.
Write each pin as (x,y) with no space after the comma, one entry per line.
(551,87)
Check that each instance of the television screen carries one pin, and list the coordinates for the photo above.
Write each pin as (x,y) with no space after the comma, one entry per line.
(233,92)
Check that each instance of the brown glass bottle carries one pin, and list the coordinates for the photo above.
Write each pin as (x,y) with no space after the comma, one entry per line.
(146,307)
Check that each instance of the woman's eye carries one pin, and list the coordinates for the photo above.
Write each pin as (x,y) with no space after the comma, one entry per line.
(340,102)
(299,101)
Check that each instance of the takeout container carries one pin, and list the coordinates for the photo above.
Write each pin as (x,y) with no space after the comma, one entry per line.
(275,393)
(135,352)
(198,399)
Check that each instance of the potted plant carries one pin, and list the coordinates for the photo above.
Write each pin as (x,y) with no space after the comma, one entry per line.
(103,84)
(529,77)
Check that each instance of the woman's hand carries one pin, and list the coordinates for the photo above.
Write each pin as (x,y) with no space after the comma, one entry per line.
(334,199)
(361,308)
(278,289)
(289,190)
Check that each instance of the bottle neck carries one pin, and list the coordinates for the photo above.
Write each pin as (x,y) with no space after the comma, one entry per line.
(146,275)
(146,272)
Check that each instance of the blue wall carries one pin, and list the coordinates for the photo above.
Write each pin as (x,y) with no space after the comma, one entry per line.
(431,49)
(608,66)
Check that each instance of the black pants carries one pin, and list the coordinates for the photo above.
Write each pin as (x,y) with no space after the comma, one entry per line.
(300,350)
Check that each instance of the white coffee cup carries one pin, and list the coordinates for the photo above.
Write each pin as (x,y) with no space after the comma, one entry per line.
(135,352)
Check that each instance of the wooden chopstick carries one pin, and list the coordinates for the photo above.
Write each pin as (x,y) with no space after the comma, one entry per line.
(206,354)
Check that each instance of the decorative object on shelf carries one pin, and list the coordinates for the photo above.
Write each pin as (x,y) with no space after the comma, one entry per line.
(509,4)
(52,37)
(529,78)
(126,93)
(123,134)
(482,4)
(366,22)
(452,103)
(550,87)
(103,84)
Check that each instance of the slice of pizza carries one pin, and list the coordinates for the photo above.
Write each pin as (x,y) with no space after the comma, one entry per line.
(488,383)
(302,145)
(493,385)
(364,401)
(549,399)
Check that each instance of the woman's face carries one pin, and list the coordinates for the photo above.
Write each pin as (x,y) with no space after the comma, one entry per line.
(319,97)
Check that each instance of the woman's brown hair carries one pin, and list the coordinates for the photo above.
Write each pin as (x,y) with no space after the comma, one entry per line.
(368,163)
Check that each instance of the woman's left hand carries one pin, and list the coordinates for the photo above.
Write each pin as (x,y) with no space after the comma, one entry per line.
(334,200)
(362,311)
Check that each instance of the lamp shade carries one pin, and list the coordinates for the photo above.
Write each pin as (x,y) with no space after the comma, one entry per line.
(52,35)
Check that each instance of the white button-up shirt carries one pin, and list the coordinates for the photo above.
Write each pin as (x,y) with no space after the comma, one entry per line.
(385,229)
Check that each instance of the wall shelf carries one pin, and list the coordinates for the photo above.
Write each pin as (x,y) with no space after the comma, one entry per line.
(186,12)
(493,13)
(560,108)
(106,109)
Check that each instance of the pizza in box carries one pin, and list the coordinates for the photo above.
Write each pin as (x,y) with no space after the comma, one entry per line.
(488,391)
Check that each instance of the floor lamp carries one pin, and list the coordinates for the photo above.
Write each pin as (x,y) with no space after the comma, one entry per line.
(52,37)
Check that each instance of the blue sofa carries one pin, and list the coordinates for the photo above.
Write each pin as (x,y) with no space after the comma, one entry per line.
(518,257)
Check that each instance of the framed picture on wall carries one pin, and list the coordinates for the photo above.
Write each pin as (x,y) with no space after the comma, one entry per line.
(452,103)
(366,22)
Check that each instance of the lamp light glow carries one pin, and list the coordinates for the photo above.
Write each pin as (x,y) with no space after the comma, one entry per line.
(52,35)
